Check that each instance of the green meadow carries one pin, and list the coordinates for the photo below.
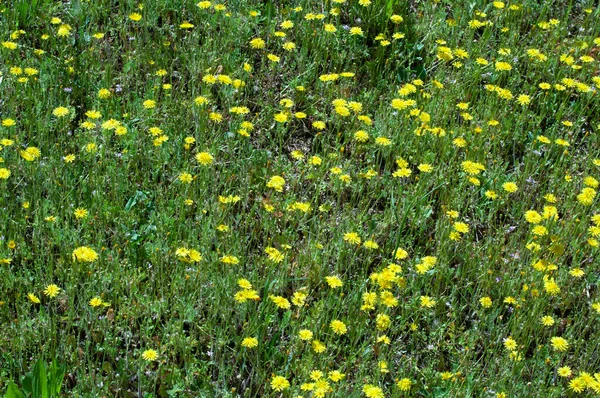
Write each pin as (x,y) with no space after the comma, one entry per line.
(337,198)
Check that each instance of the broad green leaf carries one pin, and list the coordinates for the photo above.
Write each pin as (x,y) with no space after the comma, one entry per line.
(13,391)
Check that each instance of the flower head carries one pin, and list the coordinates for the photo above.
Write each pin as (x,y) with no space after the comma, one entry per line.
(204,158)
(150,355)
(559,343)
(52,290)
(279,383)
(84,254)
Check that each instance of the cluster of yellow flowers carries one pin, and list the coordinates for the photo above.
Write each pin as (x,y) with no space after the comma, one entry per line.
(371,199)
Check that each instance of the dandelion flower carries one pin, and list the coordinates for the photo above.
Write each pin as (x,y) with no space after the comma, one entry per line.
(372,391)
(249,342)
(257,43)
(352,238)
(4,173)
(149,104)
(95,302)
(564,371)
(405,384)
(338,327)
(85,254)
(33,298)
(52,290)
(276,183)
(279,383)
(559,343)
(305,335)
(510,344)
(510,187)
(204,158)
(547,320)
(61,111)
(486,302)
(80,213)
(356,31)
(150,355)
(427,302)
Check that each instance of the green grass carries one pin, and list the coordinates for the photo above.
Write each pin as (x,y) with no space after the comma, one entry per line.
(139,211)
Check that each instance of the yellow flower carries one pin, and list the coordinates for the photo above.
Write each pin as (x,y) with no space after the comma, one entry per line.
(64,30)
(383,321)
(334,281)
(30,154)
(273,58)
(277,183)
(564,371)
(230,260)
(510,187)
(372,391)
(396,19)
(559,343)
(150,355)
(338,327)
(280,301)
(4,173)
(383,141)
(249,342)
(523,99)
(274,255)
(405,384)
(80,213)
(52,290)
(577,272)
(547,320)
(9,45)
(356,31)
(279,383)
(319,125)
(587,196)
(330,28)
(60,111)
(204,158)
(427,302)
(96,302)
(287,24)
(305,335)
(372,245)
(135,16)
(352,238)
(425,168)
(84,254)
(461,227)
(577,385)
(149,104)
(491,194)
(472,168)
(533,217)
(280,117)
(551,287)
(33,298)
(186,178)
(257,43)
(510,344)
(502,66)
(486,302)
